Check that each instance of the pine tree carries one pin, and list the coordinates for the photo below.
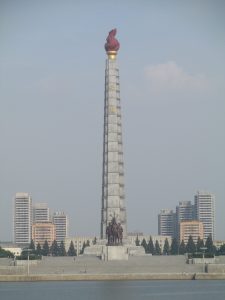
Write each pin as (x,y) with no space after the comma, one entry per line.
(166,248)
(150,247)
(71,251)
(174,247)
(45,249)
(32,245)
(62,250)
(209,245)
(221,251)
(38,249)
(199,245)
(182,248)
(190,247)
(83,247)
(54,248)
(144,245)
(137,242)
(157,248)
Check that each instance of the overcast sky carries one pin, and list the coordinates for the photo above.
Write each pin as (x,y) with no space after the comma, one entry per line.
(172,76)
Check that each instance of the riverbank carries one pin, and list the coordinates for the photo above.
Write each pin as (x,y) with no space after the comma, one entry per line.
(113,277)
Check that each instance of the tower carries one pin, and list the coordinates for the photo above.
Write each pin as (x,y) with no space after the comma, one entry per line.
(166,222)
(205,212)
(60,220)
(113,197)
(184,212)
(22,218)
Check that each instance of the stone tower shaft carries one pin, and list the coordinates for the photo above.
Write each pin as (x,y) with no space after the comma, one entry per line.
(113,196)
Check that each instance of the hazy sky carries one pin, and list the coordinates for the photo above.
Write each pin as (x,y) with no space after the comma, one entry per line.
(172,75)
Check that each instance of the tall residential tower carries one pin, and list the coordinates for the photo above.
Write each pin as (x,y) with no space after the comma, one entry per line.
(22,221)
(113,197)
(205,212)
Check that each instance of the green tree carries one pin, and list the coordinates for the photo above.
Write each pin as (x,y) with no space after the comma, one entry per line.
(174,247)
(32,245)
(83,247)
(54,248)
(38,249)
(182,248)
(166,248)
(137,241)
(88,243)
(144,245)
(71,251)
(199,245)
(221,250)
(45,249)
(209,245)
(62,250)
(6,253)
(94,241)
(150,247)
(190,247)
(157,248)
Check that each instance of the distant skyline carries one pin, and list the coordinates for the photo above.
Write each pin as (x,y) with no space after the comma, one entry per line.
(172,74)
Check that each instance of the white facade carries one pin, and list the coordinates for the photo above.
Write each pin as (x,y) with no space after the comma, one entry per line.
(166,222)
(113,196)
(22,221)
(205,212)
(160,238)
(60,220)
(41,213)
(78,242)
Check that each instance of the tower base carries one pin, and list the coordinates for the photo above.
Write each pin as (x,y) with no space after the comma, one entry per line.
(107,253)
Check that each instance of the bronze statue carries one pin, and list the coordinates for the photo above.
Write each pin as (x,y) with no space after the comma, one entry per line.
(114,233)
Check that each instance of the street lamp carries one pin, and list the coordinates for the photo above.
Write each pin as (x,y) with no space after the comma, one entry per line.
(203,258)
(28,260)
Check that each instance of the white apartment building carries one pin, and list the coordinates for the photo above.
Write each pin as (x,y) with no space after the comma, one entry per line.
(22,218)
(184,212)
(78,242)
(205,212)
(166,222)
(160,238)
(41,213)
(60,220)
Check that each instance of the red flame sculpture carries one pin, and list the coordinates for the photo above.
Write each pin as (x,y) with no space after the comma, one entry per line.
(111,42)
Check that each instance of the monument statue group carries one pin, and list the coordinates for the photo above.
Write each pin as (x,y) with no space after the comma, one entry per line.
(114,233)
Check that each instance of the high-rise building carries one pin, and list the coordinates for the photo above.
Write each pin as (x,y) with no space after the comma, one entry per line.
(166,222)
(205,212)
(42,232)
(193,228)
(184,212)
(22,220)
(41,213)
(113,197)
(60,220)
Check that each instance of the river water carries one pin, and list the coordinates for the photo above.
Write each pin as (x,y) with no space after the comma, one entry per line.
(114,290)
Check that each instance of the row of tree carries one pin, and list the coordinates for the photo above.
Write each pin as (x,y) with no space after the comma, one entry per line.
(54,249)
(175,248)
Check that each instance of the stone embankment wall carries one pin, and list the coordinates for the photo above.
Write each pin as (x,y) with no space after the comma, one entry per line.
(101,277)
